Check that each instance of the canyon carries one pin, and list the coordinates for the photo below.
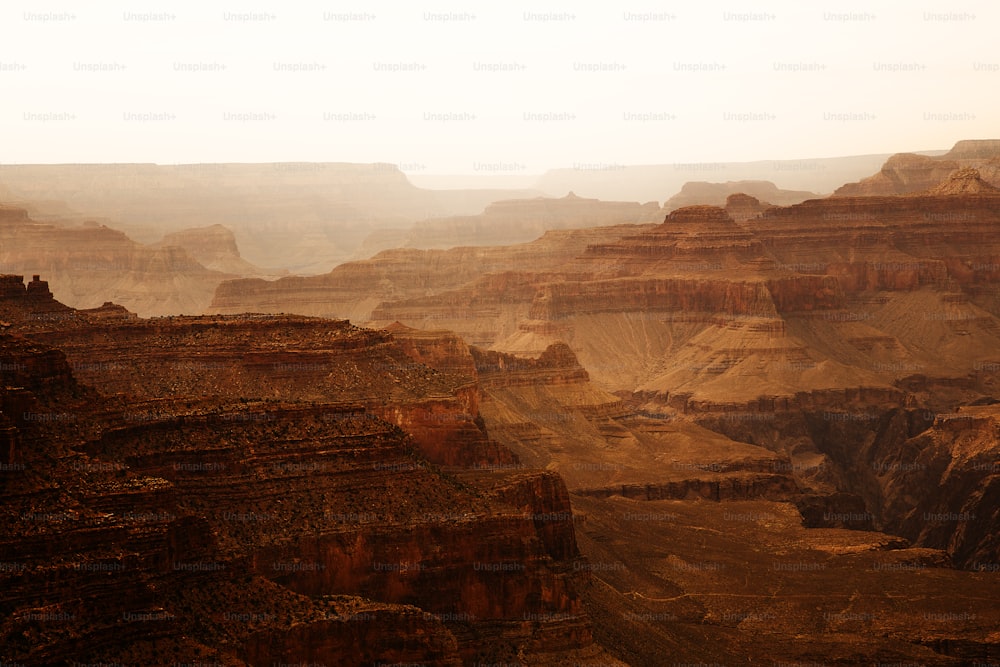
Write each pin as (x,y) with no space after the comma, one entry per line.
(719,433)
(90,263)
(301,216)
(513,221)
(247,489)
(832,361)
(166,491)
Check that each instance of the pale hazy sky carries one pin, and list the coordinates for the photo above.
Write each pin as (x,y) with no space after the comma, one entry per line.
(492,88)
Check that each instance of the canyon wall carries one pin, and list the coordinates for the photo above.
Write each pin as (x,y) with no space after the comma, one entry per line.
(252,489)
(91,263)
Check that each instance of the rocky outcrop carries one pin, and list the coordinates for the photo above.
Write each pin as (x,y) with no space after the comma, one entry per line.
(33,299)
(930,477)
(965,181)
(441,350)
(214,247)
(237,486)
(90,263)
(555,365)
(904,173)
(908,173)
(716,194)
(742,207)
(355,289)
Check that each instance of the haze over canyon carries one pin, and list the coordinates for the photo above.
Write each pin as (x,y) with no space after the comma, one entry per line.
(311,413)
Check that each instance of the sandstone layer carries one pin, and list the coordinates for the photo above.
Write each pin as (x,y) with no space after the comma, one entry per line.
(695,193)
(908,173)
(352,290)
(252,490)
(701,548)
(215,248)
(774,332)
(91,263)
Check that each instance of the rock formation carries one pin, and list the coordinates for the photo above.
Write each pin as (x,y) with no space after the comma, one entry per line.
(256,489)
(746,434)
(390,276)
(904,173)
(92,263)
(252,489)
(214,248)
(908,173)
(742,207)
(697,544)
(833,310)
(965,181)
(694,193)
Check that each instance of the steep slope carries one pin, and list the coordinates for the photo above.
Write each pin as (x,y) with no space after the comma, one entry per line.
(354,289)
(92,263)
(214,247)
(697,545)
(831,312)
(907,173)
(928,476)
(254,489)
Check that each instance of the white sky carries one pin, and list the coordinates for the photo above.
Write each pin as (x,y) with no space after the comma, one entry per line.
(855,101)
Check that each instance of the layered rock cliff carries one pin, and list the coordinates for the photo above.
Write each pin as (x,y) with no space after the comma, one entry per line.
(907,173)
(695,193)
(91,263)
(951,457)
(354,289)
(668,573)
(254,489)
(829,294)
(214,247)
(849,306)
